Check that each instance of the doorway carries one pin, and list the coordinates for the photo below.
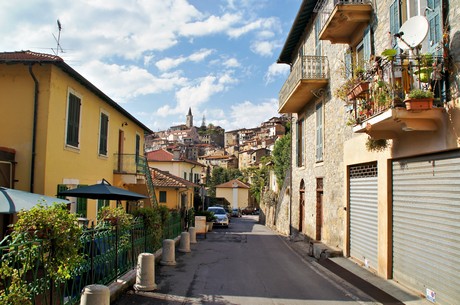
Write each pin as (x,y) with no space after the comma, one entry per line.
(319,208)
(301,205)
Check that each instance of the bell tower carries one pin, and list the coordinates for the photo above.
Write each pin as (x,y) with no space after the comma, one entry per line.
(189,122)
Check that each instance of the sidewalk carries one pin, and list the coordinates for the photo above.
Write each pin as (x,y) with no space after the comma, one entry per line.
(381,290)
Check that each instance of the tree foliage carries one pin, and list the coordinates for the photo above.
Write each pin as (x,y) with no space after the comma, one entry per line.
(221,175)
(282,158)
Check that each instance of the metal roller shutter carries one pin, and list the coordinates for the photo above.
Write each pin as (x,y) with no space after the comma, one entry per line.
(426,225)
(364,214)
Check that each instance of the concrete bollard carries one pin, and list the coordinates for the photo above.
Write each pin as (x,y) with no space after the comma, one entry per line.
(95,295)
(168,254)
(145,275)
(184,245)
(192,232)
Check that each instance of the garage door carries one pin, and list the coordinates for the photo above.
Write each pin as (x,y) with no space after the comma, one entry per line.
(426,225)
(363,213)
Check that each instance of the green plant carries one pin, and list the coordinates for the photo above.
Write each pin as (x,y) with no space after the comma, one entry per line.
(209,215)
(152,218)
(60,234)
(376,145)
(116,216)
(420,94)
(389,54)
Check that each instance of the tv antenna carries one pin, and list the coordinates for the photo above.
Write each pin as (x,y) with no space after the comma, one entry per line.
(58,45)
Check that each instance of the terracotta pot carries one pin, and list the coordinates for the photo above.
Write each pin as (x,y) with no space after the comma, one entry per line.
(419,104)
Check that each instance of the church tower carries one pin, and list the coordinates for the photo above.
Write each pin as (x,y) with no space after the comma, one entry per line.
(189,123)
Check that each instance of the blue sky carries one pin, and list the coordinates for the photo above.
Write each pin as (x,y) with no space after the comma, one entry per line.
(157,58)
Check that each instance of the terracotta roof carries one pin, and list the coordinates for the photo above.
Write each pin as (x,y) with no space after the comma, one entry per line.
(160,155)
(165,179)
(22,56)
(33,57)
(230,184)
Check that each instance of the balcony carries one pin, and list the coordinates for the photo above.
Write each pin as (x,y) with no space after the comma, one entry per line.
(344,20)
(308,74)
(386,110)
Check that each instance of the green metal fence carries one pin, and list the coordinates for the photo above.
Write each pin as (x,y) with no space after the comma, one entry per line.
(108,252)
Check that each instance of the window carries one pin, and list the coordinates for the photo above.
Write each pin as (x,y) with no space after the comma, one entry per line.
(103,134)
(185,176)
(102,203)
(73,120)
(197,178)
(319,132)
(81,206)
(300,142)
(163,196)
(433,15)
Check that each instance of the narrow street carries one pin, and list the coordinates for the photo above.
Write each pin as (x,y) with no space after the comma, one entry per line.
(245,264)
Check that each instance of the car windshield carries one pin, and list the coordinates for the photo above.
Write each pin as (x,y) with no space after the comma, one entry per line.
(217,211)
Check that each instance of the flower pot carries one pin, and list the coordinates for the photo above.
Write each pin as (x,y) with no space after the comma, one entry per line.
(359,90)
(419,104)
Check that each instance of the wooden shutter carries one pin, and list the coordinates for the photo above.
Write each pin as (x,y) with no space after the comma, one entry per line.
(348,65)
(319,131)
(103,136)
(81,205)
(395,21)
(73,120)
(367,47)
(433,15)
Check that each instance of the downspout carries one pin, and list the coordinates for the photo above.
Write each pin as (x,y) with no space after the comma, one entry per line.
(290,180)
(34,130)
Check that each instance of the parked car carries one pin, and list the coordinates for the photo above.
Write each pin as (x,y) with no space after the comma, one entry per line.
(248,211)
(236,212)
(221,218)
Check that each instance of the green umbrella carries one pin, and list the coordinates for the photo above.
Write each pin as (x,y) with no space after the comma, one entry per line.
(12,201)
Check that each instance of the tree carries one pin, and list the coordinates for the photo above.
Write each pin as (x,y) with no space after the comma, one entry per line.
(221,175)
(282,158)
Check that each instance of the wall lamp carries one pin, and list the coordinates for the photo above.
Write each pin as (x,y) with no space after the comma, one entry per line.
(124,124)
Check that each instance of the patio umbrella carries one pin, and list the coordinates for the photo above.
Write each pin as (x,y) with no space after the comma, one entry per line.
(12,201)
(102,190)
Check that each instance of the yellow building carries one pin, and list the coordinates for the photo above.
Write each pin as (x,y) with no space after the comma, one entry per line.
(236,192)
(173,163)
(60,131)
(172,191)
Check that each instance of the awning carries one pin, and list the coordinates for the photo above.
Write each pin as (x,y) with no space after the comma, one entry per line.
(12,201)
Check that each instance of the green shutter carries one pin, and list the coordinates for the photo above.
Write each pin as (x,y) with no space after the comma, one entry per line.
(73,120)
(102,203)
(81,205)
(319,131)
(61,188)
(367,47)
(103,135)
(433,15)
(395,22)
(348,65)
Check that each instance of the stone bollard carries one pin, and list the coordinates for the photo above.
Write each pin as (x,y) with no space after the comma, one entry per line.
(184,245)
(95,295)
(192,232)
(145,275)
(168,254)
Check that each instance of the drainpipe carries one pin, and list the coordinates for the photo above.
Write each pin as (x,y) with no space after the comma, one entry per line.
(290,181)
(34,129)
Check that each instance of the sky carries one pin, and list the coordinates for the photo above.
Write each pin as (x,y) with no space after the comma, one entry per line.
(158,58)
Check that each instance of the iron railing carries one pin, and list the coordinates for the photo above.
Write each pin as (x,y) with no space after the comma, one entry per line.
(135,165)
(308,67)
(108,253)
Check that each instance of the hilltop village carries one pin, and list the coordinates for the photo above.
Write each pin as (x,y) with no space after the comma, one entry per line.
(212,146)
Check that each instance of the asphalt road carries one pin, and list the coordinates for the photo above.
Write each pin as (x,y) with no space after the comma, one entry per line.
(244,264)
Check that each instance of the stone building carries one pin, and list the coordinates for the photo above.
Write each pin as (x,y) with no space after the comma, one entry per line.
(372,174)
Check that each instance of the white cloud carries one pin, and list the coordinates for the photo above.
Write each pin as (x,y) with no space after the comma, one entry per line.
(263,48)
(249,115)
(211,25)
(231,63)
(123,83)
(169,63)
(276,70)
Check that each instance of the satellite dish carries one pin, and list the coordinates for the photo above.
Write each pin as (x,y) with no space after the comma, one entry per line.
(412,32)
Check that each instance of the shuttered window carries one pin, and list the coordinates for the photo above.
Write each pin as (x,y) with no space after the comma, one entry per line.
(319,132)
(81,205)
(433,15)
(395,21)
(102,203)
(300,142)
(73,120)
(367,47)
(103,134)
(163,196)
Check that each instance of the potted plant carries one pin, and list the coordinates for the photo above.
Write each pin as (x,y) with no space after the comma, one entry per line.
(376,145)
(418,99)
